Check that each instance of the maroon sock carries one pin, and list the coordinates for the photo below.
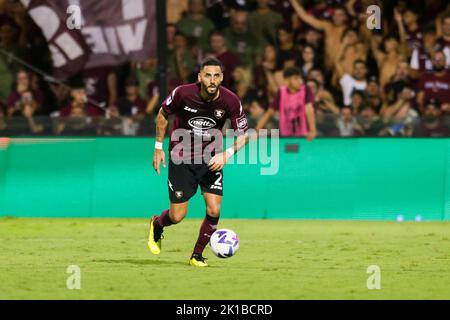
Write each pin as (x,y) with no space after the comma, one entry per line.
(208,227)
(163,221)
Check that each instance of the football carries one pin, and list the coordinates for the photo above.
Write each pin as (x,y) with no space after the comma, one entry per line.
(224,243)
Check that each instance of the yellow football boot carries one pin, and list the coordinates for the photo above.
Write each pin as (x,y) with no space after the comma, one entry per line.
(197,260)
(154,246)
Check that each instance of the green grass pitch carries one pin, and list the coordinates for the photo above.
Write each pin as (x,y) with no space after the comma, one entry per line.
(277,260)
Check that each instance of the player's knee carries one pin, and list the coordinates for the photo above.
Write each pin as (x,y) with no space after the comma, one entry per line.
(177,217)
(213,211)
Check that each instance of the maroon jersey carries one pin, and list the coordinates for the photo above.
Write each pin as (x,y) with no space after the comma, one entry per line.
(435,87)
(201,119)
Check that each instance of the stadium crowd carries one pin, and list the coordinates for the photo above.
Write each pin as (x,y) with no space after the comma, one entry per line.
(393,81)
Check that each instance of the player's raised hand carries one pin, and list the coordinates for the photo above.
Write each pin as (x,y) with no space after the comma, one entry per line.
(218,161)
(158,157)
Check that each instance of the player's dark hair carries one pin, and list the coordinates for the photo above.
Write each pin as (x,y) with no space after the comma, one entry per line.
(292,71)
(211,61)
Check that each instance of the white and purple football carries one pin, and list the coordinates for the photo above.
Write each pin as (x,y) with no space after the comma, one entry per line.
(224,243)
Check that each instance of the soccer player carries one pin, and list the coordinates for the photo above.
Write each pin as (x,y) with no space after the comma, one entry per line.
(200,110)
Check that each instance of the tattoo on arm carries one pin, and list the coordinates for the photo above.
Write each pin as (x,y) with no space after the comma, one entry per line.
(161,125)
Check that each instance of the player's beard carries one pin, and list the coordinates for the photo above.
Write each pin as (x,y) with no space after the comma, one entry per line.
(207,89)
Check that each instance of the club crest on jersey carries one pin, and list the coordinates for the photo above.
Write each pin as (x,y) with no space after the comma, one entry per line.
(179,194)
(219,113)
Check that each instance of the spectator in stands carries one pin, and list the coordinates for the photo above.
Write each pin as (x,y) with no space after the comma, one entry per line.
(347,124)
(355,81)
(195,24)
(373,94)
(16,98)
(358,98)
(317,74)
(145,73)
(308,60)
(370,121)
(326,109)
(435,84)
(387,59)
(80,100)
(333,30)
(26,101)
(251,102)
(352,49)
(77,123)
(401,116)
(287,49)
(444,37)
(171,30)
(242,81)
(422,55)
(264,74)
(432,124)
(181,64)
(264,22)
(240,40)
(22,120)
(295,104)
(229,60)
(312,37)
(131,104)
(409,19)
(397,82)
(323,99)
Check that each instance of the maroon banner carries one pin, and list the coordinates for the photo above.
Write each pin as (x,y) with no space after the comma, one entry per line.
(95,33)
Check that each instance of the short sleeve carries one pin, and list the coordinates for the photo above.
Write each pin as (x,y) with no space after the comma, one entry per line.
(237,116)
(171,104)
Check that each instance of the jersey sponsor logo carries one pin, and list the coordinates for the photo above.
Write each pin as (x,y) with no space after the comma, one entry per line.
(219,113)
(190,109)
(202,123)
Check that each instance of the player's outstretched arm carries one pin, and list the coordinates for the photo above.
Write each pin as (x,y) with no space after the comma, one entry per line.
(161,127)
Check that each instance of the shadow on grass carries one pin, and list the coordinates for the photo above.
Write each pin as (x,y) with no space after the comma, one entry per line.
(148,262)
(139,261)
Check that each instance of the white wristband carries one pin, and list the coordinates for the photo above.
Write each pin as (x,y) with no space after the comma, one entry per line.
(230,151)
(158,145)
